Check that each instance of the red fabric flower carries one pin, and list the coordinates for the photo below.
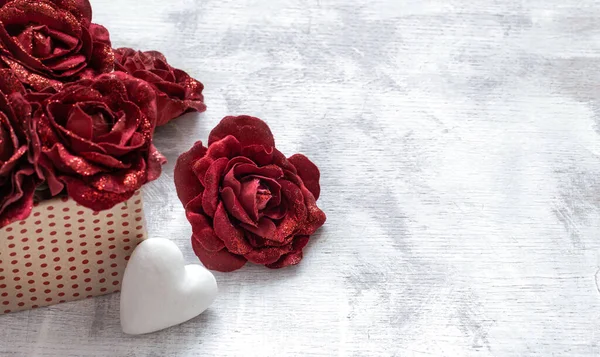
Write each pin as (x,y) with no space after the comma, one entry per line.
(18,151)
(96,137)
(49,42)
(245,200)
(176,92)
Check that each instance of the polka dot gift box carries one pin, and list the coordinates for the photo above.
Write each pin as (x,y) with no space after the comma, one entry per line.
(65,252)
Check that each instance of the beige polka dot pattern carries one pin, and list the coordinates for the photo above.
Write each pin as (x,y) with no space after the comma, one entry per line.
(65,252)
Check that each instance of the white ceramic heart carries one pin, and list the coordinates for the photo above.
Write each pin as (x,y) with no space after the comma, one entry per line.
(160,291)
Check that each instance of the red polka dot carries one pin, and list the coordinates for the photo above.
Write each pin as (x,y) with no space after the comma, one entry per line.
(125,233)
(97,236)
(26,248)
(100,262)
(2,286)
(16,278)
(36,214)
(127,257)
(57,268)
(61,301)
(103,289)
(40,239)
(48,299)
(71,259)
(30,282)
(113,265)
(125,224)
(41,247)
(69,250)
(99,252)
(95,213)
(22,223)
(11,237)
(11,246)
(87,280)
(138,202)
(29,273)
(34,306)
(28,264)
(60,286)
(13,254)
(14,262)
(83,244)
(45,275)
(100,271)
(137,219)
(4,294)
(68,233)
(69,241)
(5,302)
(102,280)
(47,291)
(46,283)
(89,296)
(66,209)
(21,304)
(82,235)
(110,223)
(23,231)
(57,259)
(67,225)
(124,215)
(86,271)
(139,227)
(50,208)
(113,256)
(32,290)
(109,215)
(126,240)
(75,286)
(39,230)
(138,210)
(42,256)
(140,236)
(2,277)
(19,295)
(6,311)
(84,252)
(81,228)
(80,213)
(61,294)
(96,229)
(114,273)
(8,229)
(127,248)
(85,261)
(43,265)
(52,224)
(59,277)
(111,239)
(54,250)
(33,298)
(89,288)
(110,231)
(73,268)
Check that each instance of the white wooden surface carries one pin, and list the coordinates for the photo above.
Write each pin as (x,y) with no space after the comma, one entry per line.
(460,151)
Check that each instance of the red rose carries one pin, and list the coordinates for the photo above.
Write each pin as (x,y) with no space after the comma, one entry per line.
(176,92)
(48,42)
(18,178)
(245,200)
(96,137)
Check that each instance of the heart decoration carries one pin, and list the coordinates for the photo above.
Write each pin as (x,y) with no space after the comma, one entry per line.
(160,291)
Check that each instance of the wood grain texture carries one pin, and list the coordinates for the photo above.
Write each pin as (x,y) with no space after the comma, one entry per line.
(460,152)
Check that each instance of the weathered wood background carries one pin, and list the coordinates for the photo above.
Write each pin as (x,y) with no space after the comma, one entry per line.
(460,151)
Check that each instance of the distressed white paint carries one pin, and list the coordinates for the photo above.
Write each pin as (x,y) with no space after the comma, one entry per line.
(459,146)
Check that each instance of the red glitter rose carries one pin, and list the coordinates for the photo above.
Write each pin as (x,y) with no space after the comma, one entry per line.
(18,149)
(96,137)
(49,42)
(176,92)
(245,200)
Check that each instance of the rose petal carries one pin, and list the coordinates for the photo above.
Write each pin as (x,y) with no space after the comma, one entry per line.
(232,237)
(292,258)
(264,229)
(234,207)
(222,260)
(266,256)
(186,181)
(308,172)
(203,232)
(315,218)
(91,198)
(246,129)
(70,164)
(212,181)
